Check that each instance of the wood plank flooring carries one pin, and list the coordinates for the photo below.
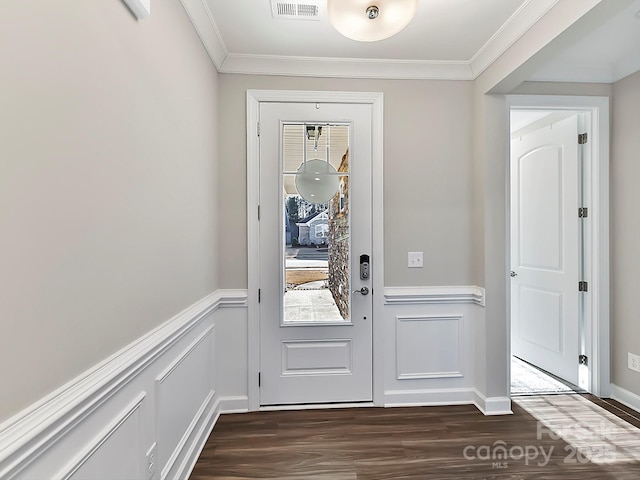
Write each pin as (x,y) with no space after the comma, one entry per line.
(428,443)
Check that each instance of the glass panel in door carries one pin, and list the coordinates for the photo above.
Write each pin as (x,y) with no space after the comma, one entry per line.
(315,179)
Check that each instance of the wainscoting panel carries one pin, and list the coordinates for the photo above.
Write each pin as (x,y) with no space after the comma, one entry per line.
(428,356)
(120,445)
(188,383)
(232,359)
(429,346)
(142,414)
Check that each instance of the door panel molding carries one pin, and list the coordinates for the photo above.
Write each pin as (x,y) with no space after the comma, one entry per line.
(254,99)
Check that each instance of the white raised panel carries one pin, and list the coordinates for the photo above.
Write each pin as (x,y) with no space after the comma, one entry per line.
(98,425)
(541,171)
(301,357)
(429,346)
(541,319)
(119,445)
(182,391)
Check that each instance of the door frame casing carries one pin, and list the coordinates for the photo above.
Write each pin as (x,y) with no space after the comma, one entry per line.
(596,242)
(254,99)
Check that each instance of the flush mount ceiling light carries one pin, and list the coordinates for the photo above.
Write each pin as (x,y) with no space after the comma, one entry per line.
(370,20)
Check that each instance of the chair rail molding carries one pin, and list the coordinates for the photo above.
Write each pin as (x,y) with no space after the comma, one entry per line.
(434,295)
(116,399)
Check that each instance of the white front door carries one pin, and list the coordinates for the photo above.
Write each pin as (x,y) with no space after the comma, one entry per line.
(545,248)
(315,308)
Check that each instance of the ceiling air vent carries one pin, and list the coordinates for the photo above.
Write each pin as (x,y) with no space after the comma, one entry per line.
(307,10)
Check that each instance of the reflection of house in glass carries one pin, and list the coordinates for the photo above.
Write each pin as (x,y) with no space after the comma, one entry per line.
(338,240)
(313,229)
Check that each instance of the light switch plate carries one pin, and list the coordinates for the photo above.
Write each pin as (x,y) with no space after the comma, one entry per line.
(415,260)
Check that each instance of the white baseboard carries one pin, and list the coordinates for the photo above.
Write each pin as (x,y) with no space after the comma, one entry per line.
(103,423)
(492,405)
(625,397)
(239,404)
(428,397)
(190,456)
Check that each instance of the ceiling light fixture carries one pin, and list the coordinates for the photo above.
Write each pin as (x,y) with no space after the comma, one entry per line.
(370,20)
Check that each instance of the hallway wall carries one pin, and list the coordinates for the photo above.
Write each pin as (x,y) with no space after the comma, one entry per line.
(427,162)
(625,232)
(107,184)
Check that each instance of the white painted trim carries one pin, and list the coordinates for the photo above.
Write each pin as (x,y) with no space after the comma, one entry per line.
(254,98)
(180,358)
(346,67)
(140,8)
(314,406)
(597,318)
(625,397)
(162,377)
(204,24)
(428,397)
(459,318)
(236,404)
(434,295)
(31,432)
(207,405)
(85,454)
(253,252)
(492,405)
(200,439)
(230,298)
(228,62)
(517,25)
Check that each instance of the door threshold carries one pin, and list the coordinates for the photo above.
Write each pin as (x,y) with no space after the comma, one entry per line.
(315,406)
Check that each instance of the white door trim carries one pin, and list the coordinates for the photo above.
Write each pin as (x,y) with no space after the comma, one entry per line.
(596,183)
(254,98)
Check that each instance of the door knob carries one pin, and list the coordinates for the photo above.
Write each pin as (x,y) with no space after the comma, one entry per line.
(363,291)
(513,274)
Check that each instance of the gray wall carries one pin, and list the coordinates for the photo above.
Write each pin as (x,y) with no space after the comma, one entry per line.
(625,230)
(427,174)
(107,184)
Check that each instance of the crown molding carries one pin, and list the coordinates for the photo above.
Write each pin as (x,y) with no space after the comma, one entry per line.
(202,20)
(344,67)
(225,62)
(525,17)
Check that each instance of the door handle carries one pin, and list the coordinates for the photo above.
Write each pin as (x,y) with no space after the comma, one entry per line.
(513,274)
(362,291)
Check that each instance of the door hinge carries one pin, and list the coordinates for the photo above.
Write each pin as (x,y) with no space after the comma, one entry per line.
(583,360)
(583,286)
(259,295)
(583,212)
(258,128)
(259,379)
(258,212)
(582,138)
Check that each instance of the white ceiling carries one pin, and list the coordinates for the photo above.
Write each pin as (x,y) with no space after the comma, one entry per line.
(606,54)
(448,39)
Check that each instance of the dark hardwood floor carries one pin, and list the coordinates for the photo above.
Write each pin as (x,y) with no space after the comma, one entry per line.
(569,437)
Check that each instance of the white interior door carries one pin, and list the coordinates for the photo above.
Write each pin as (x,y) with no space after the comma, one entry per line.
(315,332)
(545,248)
